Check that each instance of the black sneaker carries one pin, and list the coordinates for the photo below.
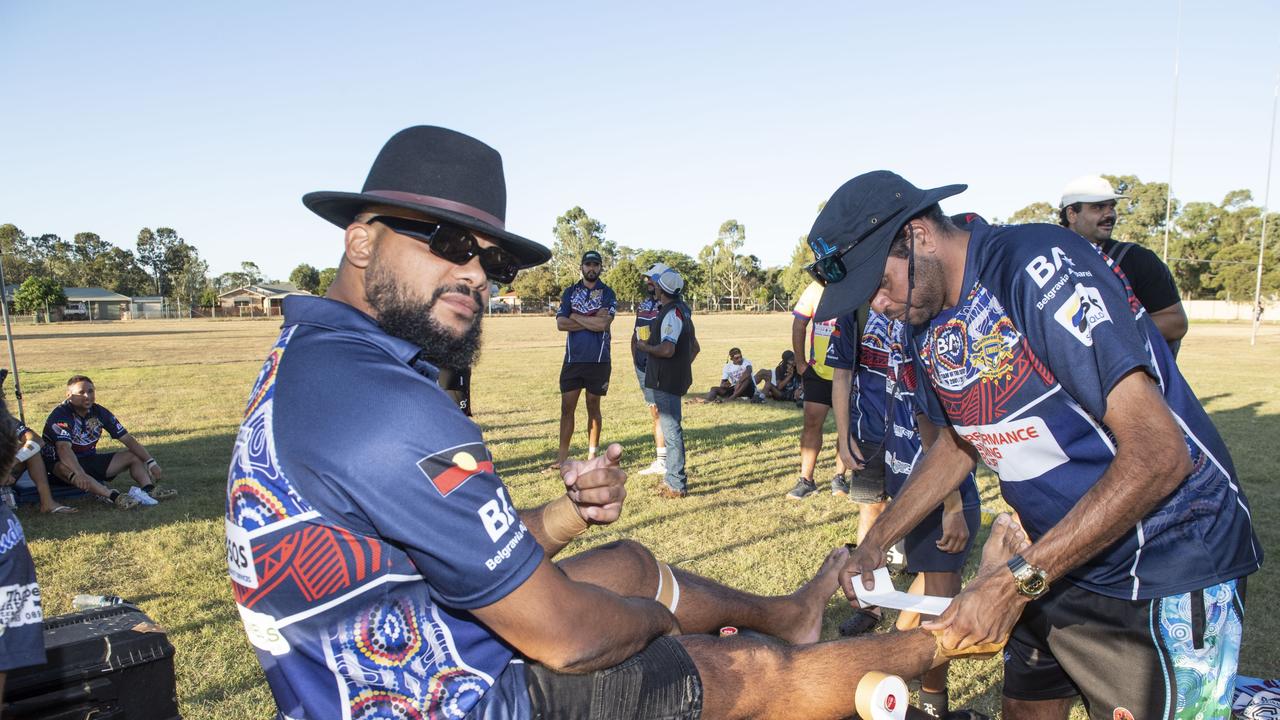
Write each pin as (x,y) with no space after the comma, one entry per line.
(839,485)
(803,489)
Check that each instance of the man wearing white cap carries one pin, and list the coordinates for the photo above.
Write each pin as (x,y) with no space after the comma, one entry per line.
(1088,208)
(646,311)
(671,347)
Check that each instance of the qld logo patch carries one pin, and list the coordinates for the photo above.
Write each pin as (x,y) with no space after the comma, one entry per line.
(1082,312)
(451,467)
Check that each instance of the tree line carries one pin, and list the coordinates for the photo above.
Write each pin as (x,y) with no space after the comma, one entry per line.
(1212,252)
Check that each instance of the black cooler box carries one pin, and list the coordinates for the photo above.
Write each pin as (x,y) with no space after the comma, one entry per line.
(104,663)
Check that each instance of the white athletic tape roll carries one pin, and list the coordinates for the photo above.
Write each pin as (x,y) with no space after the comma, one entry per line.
(28,451)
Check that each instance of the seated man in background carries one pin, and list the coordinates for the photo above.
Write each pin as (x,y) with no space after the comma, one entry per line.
(71,450)
(782,382)
(736,380)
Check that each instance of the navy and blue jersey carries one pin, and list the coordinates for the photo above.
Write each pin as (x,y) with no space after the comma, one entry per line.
(64,425)
(1022,366)
(355,556)
(645,313)
(587,346)
(869,352)
(21,614)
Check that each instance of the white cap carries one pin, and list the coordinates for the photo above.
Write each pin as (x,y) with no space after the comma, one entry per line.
(670,281)
(657,269)
(1088,188)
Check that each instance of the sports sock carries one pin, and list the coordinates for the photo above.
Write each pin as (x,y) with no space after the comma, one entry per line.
(114,494)
(662,455)
(934,703)
(148,488)
(591,452)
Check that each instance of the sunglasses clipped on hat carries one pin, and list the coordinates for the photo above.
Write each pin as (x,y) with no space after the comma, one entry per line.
(850,239)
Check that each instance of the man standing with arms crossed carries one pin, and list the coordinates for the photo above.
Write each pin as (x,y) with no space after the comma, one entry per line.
(646,311)
(816,378)
(1088,208)
(1036,357)
(586,311)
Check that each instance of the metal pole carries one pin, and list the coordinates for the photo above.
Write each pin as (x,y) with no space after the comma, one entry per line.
(8,338)
(1262,241)
(1173,134)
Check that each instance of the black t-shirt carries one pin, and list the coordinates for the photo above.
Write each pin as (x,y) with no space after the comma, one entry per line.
(1150,278)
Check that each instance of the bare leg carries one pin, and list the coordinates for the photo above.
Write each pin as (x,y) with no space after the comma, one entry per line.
(137,468)
(658,440)
(940,584)
(811,437)
(35,468)
(595,423)
(628,569)
(867,515)
(82,481)
(745,677)
(568,406)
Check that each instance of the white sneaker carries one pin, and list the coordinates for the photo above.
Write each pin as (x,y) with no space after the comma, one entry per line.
(657,467)
(141,496)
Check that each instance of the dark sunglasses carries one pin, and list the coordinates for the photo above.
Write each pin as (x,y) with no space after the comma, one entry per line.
(829,269)
(455,244)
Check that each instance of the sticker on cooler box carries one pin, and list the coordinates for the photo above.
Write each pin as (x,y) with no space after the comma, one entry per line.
(240,556)
(1016,450)
(263,631)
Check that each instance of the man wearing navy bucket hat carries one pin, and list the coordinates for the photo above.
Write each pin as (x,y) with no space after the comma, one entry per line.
(393,576)
(1038,360)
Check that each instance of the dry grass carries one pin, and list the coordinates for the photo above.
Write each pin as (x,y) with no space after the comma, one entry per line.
(180,387)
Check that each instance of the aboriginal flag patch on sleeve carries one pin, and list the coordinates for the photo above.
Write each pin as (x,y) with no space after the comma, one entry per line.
(451,467)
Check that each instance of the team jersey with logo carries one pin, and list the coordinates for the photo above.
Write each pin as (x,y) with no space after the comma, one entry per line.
(21,615)
(819,332)
(868,357)
(887,403)
(645,313)
(1022,367)
(64,425)
(586,345)
(734,372)
(355,557)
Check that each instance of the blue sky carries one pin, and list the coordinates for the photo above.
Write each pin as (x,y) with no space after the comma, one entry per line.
(662,120)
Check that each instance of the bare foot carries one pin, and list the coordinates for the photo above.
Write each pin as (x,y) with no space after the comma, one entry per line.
(811,599)
(1006,539)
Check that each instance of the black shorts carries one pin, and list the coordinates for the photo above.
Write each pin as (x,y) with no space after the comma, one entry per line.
(1128,658)
(816,389)
(660,681)
(593,377)
(96,465)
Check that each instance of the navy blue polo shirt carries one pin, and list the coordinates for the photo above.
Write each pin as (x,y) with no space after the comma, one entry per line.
(364,520)
(21,614)
(646,311)
(587,346)
(1021,367)
(64,425)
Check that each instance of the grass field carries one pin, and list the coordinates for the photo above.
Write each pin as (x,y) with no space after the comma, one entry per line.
(180,386)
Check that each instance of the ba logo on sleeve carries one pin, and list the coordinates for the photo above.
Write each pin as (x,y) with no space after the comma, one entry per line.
(1082,312)
(451,467)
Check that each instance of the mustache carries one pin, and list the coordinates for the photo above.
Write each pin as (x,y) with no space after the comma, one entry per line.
(460,289)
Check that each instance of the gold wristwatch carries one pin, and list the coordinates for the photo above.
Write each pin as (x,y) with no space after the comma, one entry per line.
(1029,579)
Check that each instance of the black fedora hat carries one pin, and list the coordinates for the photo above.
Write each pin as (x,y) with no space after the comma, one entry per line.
(858,223)
(440,172)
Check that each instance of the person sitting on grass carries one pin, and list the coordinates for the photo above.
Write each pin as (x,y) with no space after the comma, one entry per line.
(71,450)
(782,382)
(26,459)
(736,380)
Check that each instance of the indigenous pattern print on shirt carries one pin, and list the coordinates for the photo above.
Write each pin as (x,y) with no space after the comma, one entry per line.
(819,332)
(64,425)
(870,354)
(354,564)
(646,311)
(1021,368)
(587,345)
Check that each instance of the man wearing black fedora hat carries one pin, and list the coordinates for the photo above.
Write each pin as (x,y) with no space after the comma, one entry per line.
(392,576)
(1036,358)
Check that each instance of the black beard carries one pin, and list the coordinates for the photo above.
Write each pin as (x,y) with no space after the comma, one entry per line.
(590,276)
(402,317)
